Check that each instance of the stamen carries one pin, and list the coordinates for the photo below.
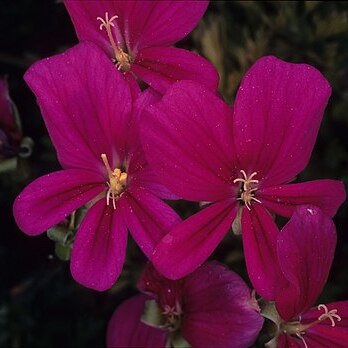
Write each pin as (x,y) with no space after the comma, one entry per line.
(123,59)
(299,335)
(332,315)
(116,184)
(173,316)
(106,163)
(247,195)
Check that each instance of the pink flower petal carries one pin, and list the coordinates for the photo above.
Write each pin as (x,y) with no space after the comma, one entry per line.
(139,172)
(189,244)
(148,178)
(83,122)
(160,67)
(219,311)
(260,233)
(139,24)
(147,217)
(125,329)
(50,199)
(7,118)
(323,332)
(286,341)
(190,150)
(99,247)
(136,161)
(304,269)
(277,114)
(167,292)
(283,200)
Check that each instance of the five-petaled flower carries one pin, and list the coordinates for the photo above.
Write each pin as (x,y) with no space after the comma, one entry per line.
(241,160)
(212,307)
(10,131)
(92,119)
(137,36)
(305,250)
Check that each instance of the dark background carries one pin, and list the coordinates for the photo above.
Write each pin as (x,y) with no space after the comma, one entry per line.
(40,304)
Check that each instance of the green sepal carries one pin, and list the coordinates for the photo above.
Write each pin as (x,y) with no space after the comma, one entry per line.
(59,234)
(63,252)
(153,315)
(176,340)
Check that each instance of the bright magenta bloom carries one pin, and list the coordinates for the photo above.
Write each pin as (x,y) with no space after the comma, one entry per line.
(239,159)
(305,250)
(92,120)
(137,36)
(10,134)
(212,307)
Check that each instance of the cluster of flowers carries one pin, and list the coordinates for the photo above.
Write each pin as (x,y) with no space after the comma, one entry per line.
(135,121)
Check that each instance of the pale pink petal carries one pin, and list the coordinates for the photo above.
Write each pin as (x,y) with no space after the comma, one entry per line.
(305,248)
(190,149)
(139,24)
(160,67)
(324,332)
(125,329)
(147,217)
(219,310)
(283,200)
(50,199)
(86,104)
(260,233)
(189,244)
(99,247)
(277,114)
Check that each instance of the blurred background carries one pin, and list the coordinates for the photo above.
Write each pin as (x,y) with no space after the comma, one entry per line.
(40,304)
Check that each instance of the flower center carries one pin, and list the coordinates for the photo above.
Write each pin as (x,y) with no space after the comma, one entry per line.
(122,59)
(297,329)
(173,316)
(117,182)
(247,190)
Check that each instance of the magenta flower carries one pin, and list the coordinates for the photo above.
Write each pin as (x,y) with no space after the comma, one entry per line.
(212,307)
(241,160)
(92,121)
(10,133)
(137,36)
(305,250)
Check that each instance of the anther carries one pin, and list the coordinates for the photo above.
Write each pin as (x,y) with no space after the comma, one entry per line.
(332,315)
(122,59)
(116,184)
(247,194)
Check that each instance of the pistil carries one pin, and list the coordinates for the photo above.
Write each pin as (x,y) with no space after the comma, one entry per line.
(122,59)
(117,182)
(247,190)
(297,329)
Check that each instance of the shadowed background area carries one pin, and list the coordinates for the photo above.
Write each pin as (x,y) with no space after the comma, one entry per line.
(40,304)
